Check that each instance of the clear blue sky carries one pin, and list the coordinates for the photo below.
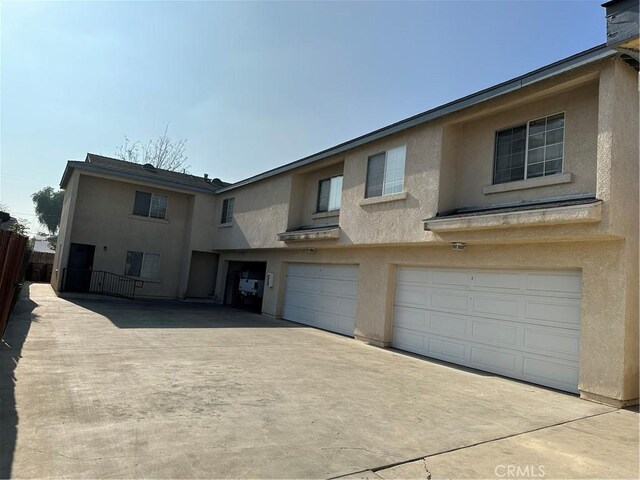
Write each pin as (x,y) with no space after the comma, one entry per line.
(250,85)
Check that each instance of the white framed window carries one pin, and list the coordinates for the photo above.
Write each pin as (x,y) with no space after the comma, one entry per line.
(385,172)
(150,205)
(142,265)
(533,149)
(227,210)
(329,194)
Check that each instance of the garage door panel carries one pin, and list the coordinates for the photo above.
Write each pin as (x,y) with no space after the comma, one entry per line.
(448,326)
(349,289)
(555,283)
(553,341)
(413,275)
(567,313)
(304,316)
(499,333)
(412,296)
(497,361)
(410,318)
(322,296)
(452,278)
(551,373)
(493,305)
(450,301)
(446,350)
(498,280)
(347,308)
(410,340)
(493,322)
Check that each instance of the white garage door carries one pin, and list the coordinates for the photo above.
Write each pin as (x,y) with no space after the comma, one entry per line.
(322,296)
(521,324)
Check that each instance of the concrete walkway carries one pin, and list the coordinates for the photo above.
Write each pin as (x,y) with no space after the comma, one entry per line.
(109,388)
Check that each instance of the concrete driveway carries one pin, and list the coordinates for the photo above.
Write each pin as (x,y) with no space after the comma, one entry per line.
(110,388)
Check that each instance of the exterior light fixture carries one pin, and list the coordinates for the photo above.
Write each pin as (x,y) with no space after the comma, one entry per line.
(458,246)
(105,249)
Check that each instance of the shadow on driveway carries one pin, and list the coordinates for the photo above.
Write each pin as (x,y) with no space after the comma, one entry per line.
(142,313)
(10,354)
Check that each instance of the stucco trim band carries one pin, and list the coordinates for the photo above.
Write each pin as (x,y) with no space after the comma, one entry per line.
(529,183)
(326,234)
(590,213)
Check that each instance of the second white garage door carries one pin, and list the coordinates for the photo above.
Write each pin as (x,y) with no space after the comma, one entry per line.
(322,296)
(521,324)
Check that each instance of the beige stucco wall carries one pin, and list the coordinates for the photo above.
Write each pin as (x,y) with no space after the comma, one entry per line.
(308,197)
(64,232)
(618,178)
(260,212)
(104,218)
(475,157)
(202,275)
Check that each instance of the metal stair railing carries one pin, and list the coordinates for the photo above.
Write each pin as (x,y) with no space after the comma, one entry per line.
(100,282)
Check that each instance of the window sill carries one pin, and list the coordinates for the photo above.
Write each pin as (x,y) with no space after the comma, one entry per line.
(225,225)
(332,213)
(530,183)
(394,197)
(148,219)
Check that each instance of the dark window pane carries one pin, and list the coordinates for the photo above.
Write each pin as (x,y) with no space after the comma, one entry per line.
(134,264)
(553,167)
(519,132)
(517,174)
(510,154)
(536,170)
(517,159)
(142,203)
(557,121)
(519,145)
(503,162)
(536,141)
(227,210)
(324,192)
(554,151)
(375,175)
(537,127)
(555,136)
(536,156)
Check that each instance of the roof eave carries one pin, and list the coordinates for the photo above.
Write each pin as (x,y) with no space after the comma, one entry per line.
(141,178)
(570,63)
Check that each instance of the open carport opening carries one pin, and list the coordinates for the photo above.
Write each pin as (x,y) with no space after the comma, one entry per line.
(244,285)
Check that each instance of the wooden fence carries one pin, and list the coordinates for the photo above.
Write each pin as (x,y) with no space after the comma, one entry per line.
(13,261)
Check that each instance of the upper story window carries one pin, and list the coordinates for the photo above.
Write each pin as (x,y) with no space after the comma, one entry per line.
(150,205)
(329,194)
(534,149)
(385,172)
(142,265)
(227,210)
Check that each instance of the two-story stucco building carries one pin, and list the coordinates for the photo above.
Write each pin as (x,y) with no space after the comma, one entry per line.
(497,232)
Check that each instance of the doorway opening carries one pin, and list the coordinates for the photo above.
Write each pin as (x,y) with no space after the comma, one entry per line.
(244,285)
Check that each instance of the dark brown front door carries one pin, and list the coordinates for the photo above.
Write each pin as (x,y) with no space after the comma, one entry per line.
(79,266)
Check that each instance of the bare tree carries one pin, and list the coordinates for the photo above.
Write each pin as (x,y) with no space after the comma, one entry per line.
(162,152)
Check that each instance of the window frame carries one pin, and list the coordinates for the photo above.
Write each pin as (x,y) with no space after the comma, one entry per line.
(386,153)
(148,215)
(144,255)
(526,148)
(227,217)
(329,179)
